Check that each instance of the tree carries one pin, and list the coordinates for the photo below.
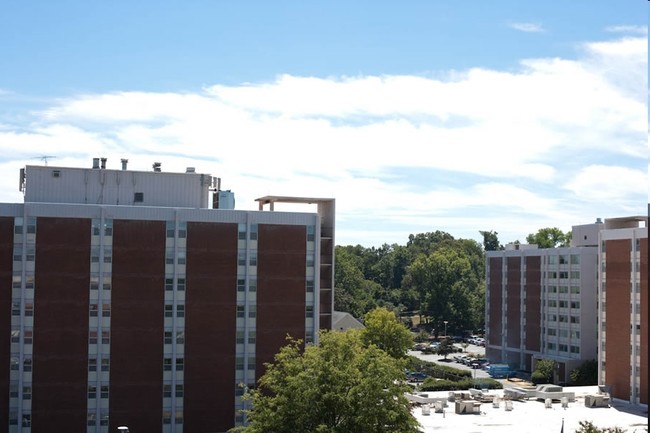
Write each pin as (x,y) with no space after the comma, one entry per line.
(543,371)
(549,237)
(338,386)
(490,240)
(589,427)
(585,374)
(445,347)
(386,332)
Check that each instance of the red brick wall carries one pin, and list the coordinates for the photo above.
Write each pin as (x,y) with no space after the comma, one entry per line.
(210,325)
(60,360)
(6,265)
(496,313)
(617,305)
(137,325)
(513,302)
(533,294)
(281,273)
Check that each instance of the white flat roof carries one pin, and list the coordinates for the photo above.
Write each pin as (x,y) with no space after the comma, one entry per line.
(532,417)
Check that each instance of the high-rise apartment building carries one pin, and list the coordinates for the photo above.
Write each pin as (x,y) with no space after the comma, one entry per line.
(623,308)
(125,299)
(541,304)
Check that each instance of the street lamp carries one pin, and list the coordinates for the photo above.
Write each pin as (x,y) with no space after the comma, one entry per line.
(445,322)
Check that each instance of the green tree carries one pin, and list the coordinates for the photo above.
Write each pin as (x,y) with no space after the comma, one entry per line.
(585,374)
(445,347)
(549,237)
(490,240)
(589,427)
(338,386)
(543,371)
(386,332)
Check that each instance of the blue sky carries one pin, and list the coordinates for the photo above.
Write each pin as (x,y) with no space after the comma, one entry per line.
(416,116)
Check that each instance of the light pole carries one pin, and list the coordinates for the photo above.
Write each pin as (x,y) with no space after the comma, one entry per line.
(445,322)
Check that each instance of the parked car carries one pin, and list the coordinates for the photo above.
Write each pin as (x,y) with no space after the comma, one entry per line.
(415,376)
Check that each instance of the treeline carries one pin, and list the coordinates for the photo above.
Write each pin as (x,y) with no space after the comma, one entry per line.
(435,277)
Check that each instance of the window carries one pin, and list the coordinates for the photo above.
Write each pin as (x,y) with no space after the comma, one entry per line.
(31,225)
(551,332)
(552,274)
(169,310)
(167,416)
(92,364)
(180,337)
(27,392)
(575,304)
(138,197)
(550,346)
(27,364)
(106,337)
(310,311)
(239,339)
(552,303)
(180,284)
(106,364)
(575,290)
(167,364)
(252,285)
(179,364)
(252,260)
(310,260)
(179,390)
(575,259)
(251,363)
(564,259)
(564,289)
(239,363)
(181,257)
(241,311)
(241,258)
(94,282)
(251,337)
(170,229)
(93,310)
(27,420)
(564,275)
(564,304)
(252,311)
(253,232)
(13,390)
(575,319)
(564,333)
(311,233)
(563,319)
(106,310)
(104,391)
(182,229)
(241,285)
(169,284)
(575,275)
(180,310)
(108,255)
(241,232)
(92,337)
(178,419)
(575,349)
(575,334)
(92,392)
(167,390)
(563,348)
(108,227)
(552,289)
(167,337)
(552,318)
(169,256)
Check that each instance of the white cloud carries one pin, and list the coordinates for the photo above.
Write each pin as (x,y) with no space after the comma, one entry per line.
(527,27)
(628,29)
(614,184)
(495,144)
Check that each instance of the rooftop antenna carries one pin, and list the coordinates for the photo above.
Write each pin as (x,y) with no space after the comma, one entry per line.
(44,158)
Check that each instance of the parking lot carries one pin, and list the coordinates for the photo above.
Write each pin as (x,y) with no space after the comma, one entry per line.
(471,349)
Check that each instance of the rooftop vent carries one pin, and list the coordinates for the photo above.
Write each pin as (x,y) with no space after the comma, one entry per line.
(156,166)
(124,163)
(95,162)
(190,170)
(103,163)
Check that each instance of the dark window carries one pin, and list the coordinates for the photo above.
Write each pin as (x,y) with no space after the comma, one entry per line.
(138,197)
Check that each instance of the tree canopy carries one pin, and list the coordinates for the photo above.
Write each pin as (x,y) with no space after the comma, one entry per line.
(339,386)
(385,331)
(549,237)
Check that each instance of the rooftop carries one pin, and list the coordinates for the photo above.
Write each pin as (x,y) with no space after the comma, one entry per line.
(531,416)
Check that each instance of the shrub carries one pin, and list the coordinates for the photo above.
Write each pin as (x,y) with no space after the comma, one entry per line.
(538,377)
(431,384)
